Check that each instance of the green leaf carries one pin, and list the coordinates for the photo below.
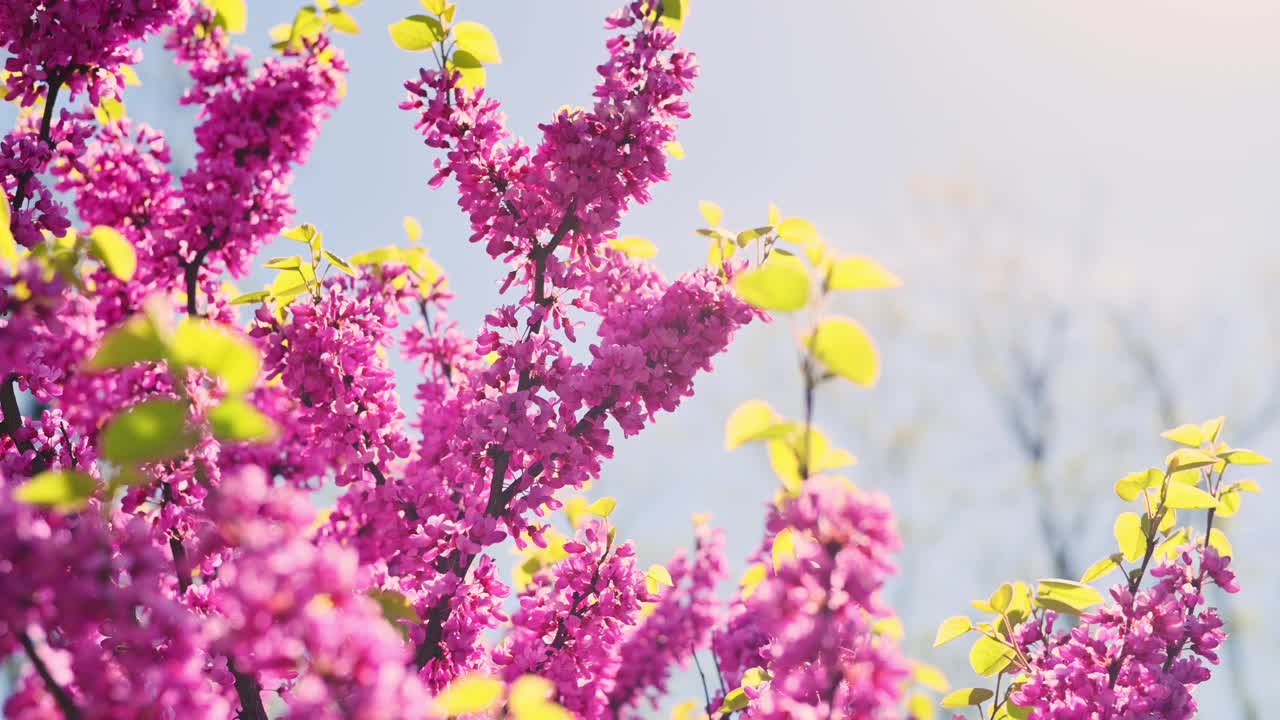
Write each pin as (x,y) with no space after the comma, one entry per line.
(251,297)
(785,454)
(603,507)
(798,231)
(231,15)
(1066,596)
(636,247)
(754,421)
(711,212)
(133,341)
(966,697)
(470,695)
(734,701)
(782,283)
(860,273)
(846,350)
(1188,458)
(339,263)
(416,33)
(1186,497)
(1101,568)
(230,356)
(988,657)
(1218,541)
(674,13)
(342,21)
(1130,536)
(472,70)
(784,548)
(284,263)
(114,251)
(999,600)
(952,628)
(1241,456)
(477,40)
(62,490)
(1170,547)
(656,576)
(435,7)
(929,676)
(396,609)
(148,432)
(8,245)
(236,420)
(1189,435)
(1131,486)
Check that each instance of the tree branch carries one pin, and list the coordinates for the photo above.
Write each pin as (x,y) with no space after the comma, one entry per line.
(60,695)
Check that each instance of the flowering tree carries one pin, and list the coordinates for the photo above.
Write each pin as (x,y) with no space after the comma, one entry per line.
(159,557)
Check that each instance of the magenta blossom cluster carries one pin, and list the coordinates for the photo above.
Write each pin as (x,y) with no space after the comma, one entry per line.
(1138,658)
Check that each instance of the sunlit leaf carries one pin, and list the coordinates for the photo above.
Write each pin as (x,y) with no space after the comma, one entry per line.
(8,245)
(1066,596)
(1101,568)
(228,355)
(930,676)
(248,298)
(133,341)
(1189,435)
(147,432)
(603,507)
(988,657)
(797,230)
(1130,536)
(412,228)
(231,15)
(966,697)
(341,21)
(397,609)
(1240,456)
(754,421)
(470,694)
(636,247)
(782,283)
(1131,486)
(711,212)
(920,707)
(737,699)
(62,490)
(675,149)
(952,628)
(416,33)
(1218,541)
(657,576)
(1186,497)
(751,579)
(476,39)
(473,74)
(114,251)
(340,263)
(784,548)
(1188,458)
(860,273)
(846,350)
(236,420)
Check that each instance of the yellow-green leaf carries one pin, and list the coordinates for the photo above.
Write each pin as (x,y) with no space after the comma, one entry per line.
(1169,548)
(341,21)
(860,273)
(674,149)
(657,576)
(340,263)
(236,420)
(711,212)
(751,579)
(114,251)
(846,350)
(754,677)
(529,698)
(1101,568)
(603,507)
(1186,497)
(988,657)
(782,283)
(476,39)
(1130,536)
(736,700)
(62,490)
(1212,428)
(784,548)
(470,694)
(930,676)
(147,432)
(754,421)
(966,697)
(1240,456)
(1218,541)
(1066,596)
(232,15)
(1188,458)
(472,71)
(8,245)
(1131,486)
(416,33)
(256,296)
(1189,435)
(133,341)
(920,707)
(952,628)
(636,247)
(412,228)
(228,355)
(797,230)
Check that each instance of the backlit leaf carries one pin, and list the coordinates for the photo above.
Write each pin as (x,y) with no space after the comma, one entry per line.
(147,432)
(603,507)
(636,247)
(1066,596)
(341,21)
(1130,536)
(114,251)
(754,421)
(231,15)
(476,39)
(1218,541)
(225,353)
(930,677)
(797,230)
(735,700)
(782,283)
(1131,486)
(860,273)
(1101,568)
(846,350)
(784,548)
(62,490)
(133,341)
(416,33)
(236,420)
(952,628)
(1189,435)
(472,70)
(470,694)
(1188,458)
(751,579)
(966,697)
(711,212)
(1186,497)
(1245,457)
(988,657)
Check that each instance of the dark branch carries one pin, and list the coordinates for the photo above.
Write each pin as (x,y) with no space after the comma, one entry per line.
(60,695)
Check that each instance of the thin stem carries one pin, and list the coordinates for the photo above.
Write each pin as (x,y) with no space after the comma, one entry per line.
(60,695)
(706,690)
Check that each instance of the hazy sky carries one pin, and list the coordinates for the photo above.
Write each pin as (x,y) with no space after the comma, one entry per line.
(1124,152)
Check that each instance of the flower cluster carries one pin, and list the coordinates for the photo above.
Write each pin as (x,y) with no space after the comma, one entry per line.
(1140,657)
